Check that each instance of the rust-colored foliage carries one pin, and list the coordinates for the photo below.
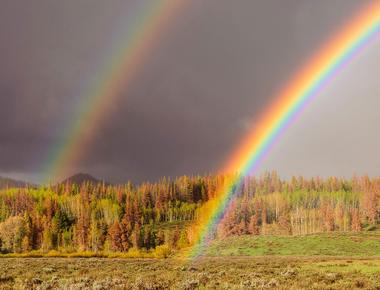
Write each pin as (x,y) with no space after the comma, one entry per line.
(97,217)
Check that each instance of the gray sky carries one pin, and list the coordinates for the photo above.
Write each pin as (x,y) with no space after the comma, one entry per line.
(210,75)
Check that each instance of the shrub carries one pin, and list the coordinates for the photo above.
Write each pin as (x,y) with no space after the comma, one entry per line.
(135,253)
(370,228)
(53,253)
(162,251)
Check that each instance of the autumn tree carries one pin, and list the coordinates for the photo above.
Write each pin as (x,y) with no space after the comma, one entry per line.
(12,233)
(114,233)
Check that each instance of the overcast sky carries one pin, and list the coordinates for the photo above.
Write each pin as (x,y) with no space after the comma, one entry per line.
(208,78)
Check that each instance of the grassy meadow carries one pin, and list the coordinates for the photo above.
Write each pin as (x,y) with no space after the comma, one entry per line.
(323,261)
(297,234)
(276,272)
(364,244)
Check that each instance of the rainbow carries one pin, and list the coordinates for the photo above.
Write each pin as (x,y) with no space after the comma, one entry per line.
(122,67)
(307,83)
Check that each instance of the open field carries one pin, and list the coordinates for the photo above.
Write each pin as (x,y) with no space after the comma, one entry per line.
(363,244)
(324,261)
(206,273)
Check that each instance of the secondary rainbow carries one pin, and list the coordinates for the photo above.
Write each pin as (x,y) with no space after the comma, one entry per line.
(307,83)
(117,75)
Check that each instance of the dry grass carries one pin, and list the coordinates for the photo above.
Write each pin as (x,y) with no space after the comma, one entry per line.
(205,273)
(160,252)
(324,261)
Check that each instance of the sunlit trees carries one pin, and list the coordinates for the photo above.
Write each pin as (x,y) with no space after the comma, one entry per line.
(370,201)
(355,220)
(114,233)
(12,234)
(99,217)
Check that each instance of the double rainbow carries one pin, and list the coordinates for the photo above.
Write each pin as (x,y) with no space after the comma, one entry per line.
(300,91)
(128,60)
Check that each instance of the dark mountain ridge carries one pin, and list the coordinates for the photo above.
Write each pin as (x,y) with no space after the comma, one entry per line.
(81,178)
(6,182)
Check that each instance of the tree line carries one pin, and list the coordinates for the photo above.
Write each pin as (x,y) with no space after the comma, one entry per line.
(100,217)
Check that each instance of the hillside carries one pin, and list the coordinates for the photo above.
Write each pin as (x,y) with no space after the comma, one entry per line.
(269,216)
(81,178)
(363,244)
(9,183)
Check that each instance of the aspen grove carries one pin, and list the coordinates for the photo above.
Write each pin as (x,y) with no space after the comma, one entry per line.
(91,217)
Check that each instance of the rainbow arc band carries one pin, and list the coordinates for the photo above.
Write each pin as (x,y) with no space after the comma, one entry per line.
(116,78)
(130,58)
(334,55)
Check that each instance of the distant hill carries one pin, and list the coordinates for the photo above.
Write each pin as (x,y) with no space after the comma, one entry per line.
(80,178)
(8,182)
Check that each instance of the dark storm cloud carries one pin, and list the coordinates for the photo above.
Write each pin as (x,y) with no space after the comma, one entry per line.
(205,83)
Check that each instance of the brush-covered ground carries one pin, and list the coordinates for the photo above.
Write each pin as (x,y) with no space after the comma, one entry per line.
(324,261)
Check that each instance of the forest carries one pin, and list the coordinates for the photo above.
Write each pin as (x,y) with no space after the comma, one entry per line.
(97,217)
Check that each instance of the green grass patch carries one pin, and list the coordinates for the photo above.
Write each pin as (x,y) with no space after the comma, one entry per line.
(172,225)
(346,266)
(364,244)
